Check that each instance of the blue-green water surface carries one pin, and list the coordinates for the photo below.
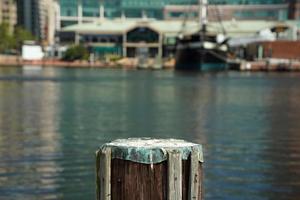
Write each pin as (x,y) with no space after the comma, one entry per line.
(53,120)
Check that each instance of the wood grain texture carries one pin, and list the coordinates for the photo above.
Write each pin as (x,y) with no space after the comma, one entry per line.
(105,174)
(185,179)
(136,181)
(201,191)
(195,177)
(98,174)
(174,175)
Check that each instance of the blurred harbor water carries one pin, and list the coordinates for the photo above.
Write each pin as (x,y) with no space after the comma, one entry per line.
(52,121)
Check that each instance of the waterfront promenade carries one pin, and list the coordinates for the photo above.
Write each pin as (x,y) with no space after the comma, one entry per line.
(127,63)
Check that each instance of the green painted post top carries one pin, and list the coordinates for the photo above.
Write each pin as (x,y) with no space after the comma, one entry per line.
(151,151)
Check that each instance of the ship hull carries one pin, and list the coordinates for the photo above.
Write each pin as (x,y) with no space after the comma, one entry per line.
(199,59)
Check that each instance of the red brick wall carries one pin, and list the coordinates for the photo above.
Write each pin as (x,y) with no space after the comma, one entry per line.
(282,49)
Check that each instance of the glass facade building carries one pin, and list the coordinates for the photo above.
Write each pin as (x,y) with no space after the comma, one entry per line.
(30,17)
(117,8)
(247,2)
(68,8)
(279,14)
(75,11)
(90,8)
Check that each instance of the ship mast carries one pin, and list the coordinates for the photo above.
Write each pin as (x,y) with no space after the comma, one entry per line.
(203,23)
(203,14)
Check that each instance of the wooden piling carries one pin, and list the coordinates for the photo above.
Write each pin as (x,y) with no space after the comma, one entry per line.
(149,169)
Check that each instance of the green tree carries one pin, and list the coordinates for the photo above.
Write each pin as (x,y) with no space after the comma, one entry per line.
(76,52)
(21,35)
(9,41)
(6,40)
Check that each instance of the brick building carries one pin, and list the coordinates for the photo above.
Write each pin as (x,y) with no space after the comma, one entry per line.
(8,13)
(294,9)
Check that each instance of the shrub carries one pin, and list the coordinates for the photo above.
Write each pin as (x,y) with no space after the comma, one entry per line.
(76,52)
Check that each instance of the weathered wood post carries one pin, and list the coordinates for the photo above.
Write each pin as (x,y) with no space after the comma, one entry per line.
(149,169)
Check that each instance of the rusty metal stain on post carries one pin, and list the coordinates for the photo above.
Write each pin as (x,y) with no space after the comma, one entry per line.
(174,175)
(195,176)
(105,174)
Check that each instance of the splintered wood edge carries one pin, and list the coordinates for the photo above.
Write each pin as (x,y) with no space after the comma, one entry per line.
(97,174)
(104,174)
(174,175)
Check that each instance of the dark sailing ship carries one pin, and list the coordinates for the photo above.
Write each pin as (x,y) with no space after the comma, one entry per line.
(201,51)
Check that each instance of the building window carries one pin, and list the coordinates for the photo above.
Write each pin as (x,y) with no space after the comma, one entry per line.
(90,8)
(69,8)
(68,23)
(69,12)
(142,34)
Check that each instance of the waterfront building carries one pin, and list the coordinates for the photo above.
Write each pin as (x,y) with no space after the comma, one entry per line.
(8,13)
(28,16)
(51,19)
(108,26)
(124,37)
(38,17)
(235,9)
(294,9)
(82,11)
